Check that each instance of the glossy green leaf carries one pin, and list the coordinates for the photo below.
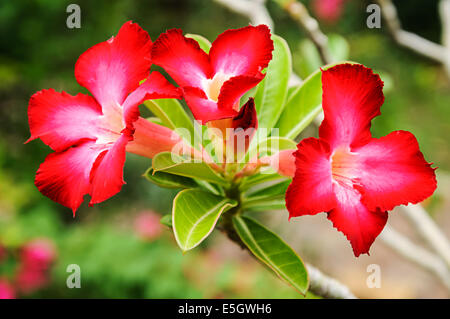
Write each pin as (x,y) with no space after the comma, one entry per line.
(303,106)
(174,164)
(271,145)
(272,251)
(203,42)
(195,214)
(271,93)
(166,220)
(168,180)
(271,196)
(309,59)
(271,189)
(258,179)
(173,115)
(264,205)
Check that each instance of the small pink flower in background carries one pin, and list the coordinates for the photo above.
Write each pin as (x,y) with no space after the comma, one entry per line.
(147,225)
(6,289)
(91,134)
(38,254)
(328,10)
(35,260)
(29,280)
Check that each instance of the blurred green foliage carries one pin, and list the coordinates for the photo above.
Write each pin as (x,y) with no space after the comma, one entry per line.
(38,51)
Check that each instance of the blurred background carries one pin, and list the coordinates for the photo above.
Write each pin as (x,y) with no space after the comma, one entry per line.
(122,249)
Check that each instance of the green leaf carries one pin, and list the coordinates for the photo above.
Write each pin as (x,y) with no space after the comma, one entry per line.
(271,196)
(174,164)
(195,214)
(166,220)
(167,180)
(272,251)
(303,106)
(309,58)
(257,179)
(271,145)
(271,93)
(273,189)
(203,42)
(173,115)
(264,205)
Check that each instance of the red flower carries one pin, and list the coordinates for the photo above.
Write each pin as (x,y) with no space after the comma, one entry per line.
(213,83)
(90,135)
(346,172)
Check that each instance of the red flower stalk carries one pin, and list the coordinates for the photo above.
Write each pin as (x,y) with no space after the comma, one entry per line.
(90,134)
(213,83)
(346,172)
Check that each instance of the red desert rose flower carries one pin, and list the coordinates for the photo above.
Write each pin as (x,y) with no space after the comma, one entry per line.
(346,172)
(90,134)
(213,83)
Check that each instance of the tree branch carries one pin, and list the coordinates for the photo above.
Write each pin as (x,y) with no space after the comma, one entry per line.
(327,287)
(410,40)
(444,11)
(300,14)
(255,10)
(429,231)
(416,254)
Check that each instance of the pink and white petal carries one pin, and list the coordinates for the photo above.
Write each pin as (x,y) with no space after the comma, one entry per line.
(114,68)
(244,51)
(150,139)
(61,120)
(233,89)
(64,176)
(204,109)
(352,97)
(182,58)
(107,173)
(393,171)
(155,86)
(282,162)
(360,225)
(311,190)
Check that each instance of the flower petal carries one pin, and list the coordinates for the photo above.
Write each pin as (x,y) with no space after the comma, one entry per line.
(112,69)
(155,87)
(204,109)
(360,225)
(393,171)
(150,139)
(352,97)
(61,120)
(244,51)
(64,176)
(182,58)
(311,189)
(107,173)
(233,89)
